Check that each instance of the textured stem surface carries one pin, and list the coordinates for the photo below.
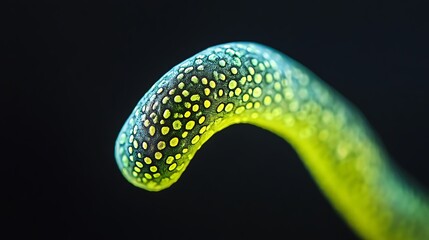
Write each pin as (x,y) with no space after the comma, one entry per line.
(251,83)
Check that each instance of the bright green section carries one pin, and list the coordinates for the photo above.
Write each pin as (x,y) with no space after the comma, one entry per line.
(251,83)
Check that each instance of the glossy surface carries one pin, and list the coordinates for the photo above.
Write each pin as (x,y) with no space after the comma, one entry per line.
(251,83)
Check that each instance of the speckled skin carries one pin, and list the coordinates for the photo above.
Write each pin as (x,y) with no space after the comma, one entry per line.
(251,83)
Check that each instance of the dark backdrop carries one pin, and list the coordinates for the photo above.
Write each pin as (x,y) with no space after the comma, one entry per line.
(74,71)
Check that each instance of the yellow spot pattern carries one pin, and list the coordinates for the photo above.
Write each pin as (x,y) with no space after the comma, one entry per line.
(227,85)
(174,141)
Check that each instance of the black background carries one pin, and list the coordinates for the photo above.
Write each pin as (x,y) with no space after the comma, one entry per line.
(74,71)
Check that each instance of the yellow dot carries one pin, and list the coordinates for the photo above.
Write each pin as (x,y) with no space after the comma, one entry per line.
(153,169)
(187,104)
(139,155)
(267,100)
(169,160)
(177,98)
(207,103)
(177,125)
(204,81)
(135,174)
(231,93)
(212,84)
(172,167)
(243,80)
(195,108)
(257,92)
(258,78)
(220,92)
(277,86)
(148,176)
(178,156)
(157,175)
(220,107)
(181,85)
(158,155)
(185,150)
(278,97)
(249,105)
(161,145)
(222,63)
(232,84)
(207,91)
(222,76)
(203,129)
(239,110)
(237,91)
(165,99)
(139,164)
(146,123)
(251,70)
(194,79)
(254,62)
(229,107)
(202,119)
(257,105)
(166,113)
(189,69)
(269,77)
(195,97)
(187,114)
(152,130)
(165,130)
(195,139)
(147,160)
(174,141)
(245,97)
(261,66)
(144,145)
(184,134)
(185,93)
(137,169)
(190,125)
(180,76)
(234,70)
(135,144)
